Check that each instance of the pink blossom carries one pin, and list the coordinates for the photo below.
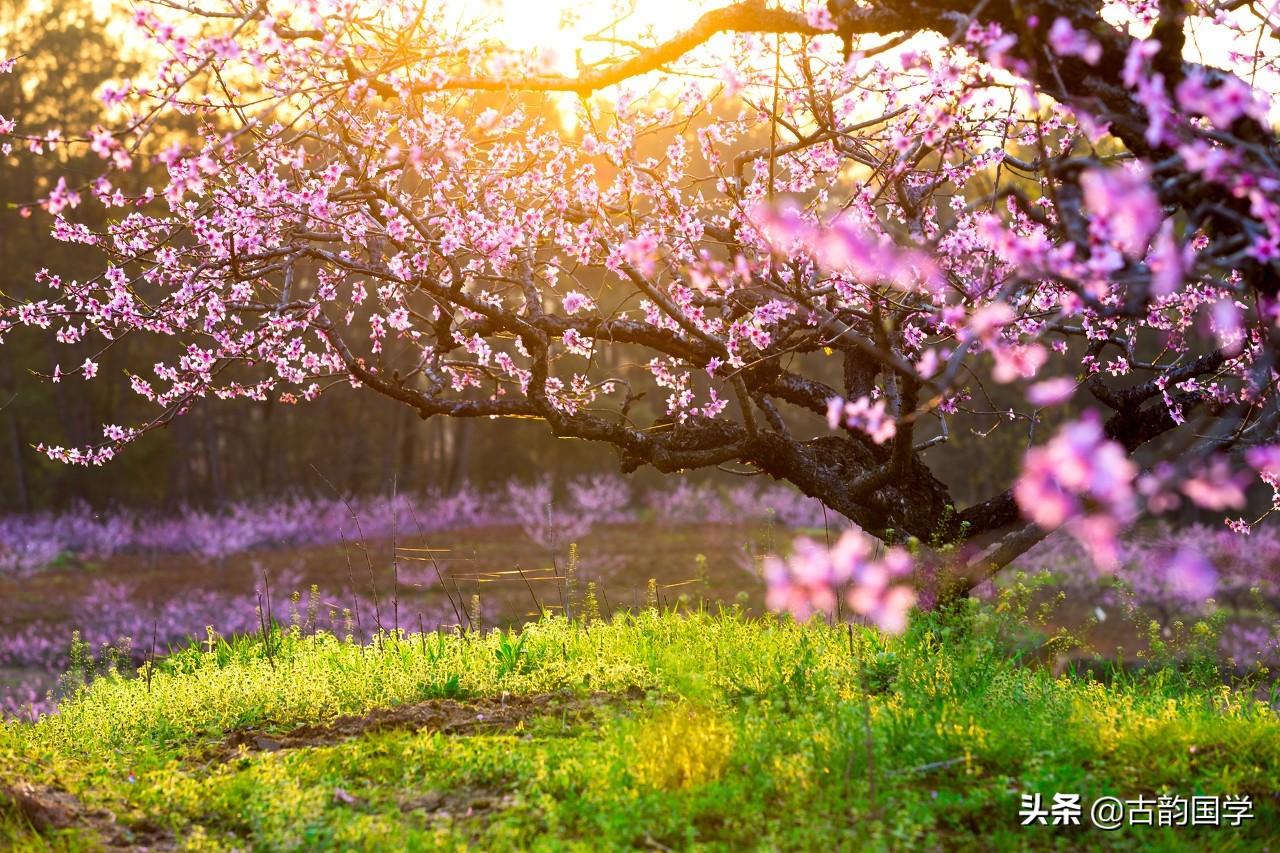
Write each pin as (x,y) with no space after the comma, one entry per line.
(873,594)
(732,79)
(1223,104)
(1138,60)
(1239,526)
(1083,478)
(1227,325)
(1100,536)
(1265,460)
(641,252)
(812,578)
(574,302)
(1018,361)
(399,319)
(929,363)
(576,342)
(1051,392)
(1125,207)
(987,322)
(850,246)
(62,197)
(1168,262)
(102,142)
(1066,40)
(1265,249)
(819,17)
(1215,486)
(864,415)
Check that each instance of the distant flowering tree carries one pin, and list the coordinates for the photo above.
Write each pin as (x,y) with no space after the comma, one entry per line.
(861,211)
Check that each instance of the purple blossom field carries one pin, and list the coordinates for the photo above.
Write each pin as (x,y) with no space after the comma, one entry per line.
(118,576)
(124,580)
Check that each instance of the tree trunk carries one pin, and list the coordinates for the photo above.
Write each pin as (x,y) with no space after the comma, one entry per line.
(459,459)
(409,425)
(19,462)
(213,458)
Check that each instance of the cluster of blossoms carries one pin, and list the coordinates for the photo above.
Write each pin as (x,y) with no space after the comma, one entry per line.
(1083,480)
(862,414)
(873,584)
(1266,461)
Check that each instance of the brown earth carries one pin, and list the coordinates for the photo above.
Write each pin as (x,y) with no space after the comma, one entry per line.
(48,810)
(447,716)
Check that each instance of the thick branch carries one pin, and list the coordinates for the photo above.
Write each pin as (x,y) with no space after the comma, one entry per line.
(743,17)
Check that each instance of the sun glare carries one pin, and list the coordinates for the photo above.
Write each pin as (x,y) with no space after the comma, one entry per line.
(569,35)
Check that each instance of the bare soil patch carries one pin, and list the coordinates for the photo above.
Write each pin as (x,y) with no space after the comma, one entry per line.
(459,804)
(48,810)
(447,716)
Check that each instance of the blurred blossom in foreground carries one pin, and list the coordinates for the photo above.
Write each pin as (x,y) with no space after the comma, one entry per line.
(862,414)
(1083,480)
(813,576)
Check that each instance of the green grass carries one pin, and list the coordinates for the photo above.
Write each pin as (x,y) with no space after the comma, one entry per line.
(727,733)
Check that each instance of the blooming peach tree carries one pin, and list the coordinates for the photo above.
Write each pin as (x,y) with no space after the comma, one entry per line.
(796,237)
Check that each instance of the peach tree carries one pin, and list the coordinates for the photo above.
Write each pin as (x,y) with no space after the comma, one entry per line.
(793,237)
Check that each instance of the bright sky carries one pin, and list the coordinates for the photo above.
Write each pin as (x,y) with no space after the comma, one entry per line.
(565,27)
(569,35)
(570,28)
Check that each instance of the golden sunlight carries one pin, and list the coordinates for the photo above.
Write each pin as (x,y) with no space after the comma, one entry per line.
(570,35)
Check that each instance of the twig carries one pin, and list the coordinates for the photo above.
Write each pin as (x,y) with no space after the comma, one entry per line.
(868,739)
(351,581)
(529,586)
(395,560)
(435,565)
(262,621)
(151,661)
(364,546)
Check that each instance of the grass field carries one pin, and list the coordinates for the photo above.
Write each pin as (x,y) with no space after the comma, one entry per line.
(653,730)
